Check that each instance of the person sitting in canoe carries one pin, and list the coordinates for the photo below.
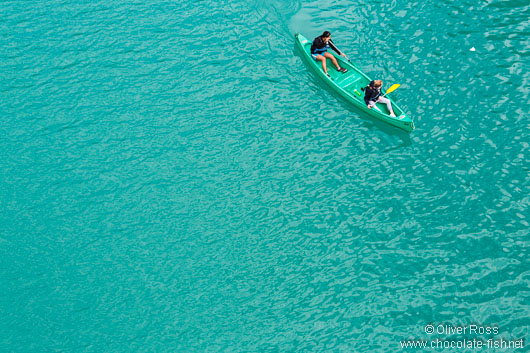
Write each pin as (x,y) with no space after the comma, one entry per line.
(372,96)
(319,51)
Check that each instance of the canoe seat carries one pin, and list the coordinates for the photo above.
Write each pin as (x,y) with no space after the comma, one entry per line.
(351,83)
(348,80)
(345,79)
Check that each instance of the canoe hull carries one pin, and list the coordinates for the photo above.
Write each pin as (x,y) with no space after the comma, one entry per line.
(349,85)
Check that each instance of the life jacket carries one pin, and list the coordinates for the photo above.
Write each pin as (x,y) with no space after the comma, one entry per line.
(371,93)
(319,42)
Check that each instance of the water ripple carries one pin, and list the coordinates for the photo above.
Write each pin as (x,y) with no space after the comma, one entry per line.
(175,179)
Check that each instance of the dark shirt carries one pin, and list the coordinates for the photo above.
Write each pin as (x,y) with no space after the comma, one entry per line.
(319,46)
(371,93)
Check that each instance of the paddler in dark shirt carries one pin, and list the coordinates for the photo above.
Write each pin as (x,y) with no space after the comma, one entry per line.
(372,96)
(319,51)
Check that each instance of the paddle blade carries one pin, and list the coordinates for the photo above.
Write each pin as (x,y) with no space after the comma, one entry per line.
(392,88)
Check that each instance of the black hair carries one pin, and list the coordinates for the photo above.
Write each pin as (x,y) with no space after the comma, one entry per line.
(326,34)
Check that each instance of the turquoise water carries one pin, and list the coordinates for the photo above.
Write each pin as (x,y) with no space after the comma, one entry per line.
(174,179)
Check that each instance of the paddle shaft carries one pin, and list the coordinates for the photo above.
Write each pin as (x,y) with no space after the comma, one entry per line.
(341,52)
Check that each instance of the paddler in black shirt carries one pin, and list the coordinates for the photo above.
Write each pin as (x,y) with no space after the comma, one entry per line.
(319,51)
(372,96)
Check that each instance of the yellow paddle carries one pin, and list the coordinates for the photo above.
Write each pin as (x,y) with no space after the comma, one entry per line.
(392,88)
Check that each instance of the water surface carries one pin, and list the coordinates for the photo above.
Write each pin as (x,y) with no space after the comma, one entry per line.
(173,178)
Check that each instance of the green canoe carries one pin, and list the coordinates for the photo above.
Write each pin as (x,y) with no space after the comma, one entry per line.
(348,85)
